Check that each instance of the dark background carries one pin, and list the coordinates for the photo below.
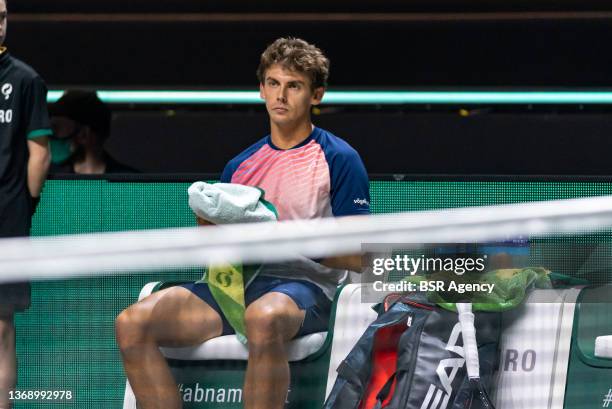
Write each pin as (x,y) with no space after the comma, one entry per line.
(277,6)
(391,45)
(376,54)
(389,142)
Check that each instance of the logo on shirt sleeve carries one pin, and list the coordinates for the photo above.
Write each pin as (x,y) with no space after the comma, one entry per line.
(6,90)
(361,202)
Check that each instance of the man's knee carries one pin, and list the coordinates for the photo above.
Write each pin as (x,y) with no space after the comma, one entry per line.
(170,317)
(131,326)
(268,324)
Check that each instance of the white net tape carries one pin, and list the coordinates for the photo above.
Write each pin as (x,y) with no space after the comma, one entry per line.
(108,253)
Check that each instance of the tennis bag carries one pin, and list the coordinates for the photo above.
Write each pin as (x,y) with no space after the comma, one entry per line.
(412,357)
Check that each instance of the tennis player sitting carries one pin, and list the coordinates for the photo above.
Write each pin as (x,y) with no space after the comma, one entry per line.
(306,172)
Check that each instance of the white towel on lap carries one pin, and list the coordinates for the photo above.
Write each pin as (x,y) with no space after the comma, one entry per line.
(225,203)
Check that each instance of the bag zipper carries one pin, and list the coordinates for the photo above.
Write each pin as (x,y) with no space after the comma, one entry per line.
(408,384)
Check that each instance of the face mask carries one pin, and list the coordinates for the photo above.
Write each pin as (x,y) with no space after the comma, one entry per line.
(61,150)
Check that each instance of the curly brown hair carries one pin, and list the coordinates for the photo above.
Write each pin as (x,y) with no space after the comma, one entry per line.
(296,54)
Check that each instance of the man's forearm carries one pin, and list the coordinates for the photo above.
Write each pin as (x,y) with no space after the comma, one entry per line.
(347,262)
(38,167)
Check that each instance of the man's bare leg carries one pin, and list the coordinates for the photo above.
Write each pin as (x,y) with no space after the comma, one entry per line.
(173,317)
(8,359)
(271,322)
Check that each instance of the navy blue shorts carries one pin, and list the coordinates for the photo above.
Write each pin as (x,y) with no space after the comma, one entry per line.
(306,295)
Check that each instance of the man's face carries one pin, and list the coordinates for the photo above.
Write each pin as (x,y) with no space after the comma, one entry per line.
(3,21)
(64,127)
(288,95)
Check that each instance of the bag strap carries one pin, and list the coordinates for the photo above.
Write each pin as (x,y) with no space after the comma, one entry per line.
(391,299)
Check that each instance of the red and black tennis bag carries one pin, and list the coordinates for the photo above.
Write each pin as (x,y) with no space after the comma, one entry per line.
(412,357)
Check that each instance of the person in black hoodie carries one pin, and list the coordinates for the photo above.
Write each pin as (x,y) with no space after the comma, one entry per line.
(81,125)
(24,161)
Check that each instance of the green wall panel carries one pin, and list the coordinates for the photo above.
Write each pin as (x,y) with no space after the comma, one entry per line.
(66,339)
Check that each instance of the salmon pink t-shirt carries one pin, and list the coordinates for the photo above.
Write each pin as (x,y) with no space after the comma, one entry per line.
(322,176)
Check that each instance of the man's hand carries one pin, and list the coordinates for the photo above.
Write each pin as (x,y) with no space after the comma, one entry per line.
(203,222)
(348,262)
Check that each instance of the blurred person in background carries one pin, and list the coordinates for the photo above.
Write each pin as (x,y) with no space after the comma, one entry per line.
(24,162)
(81,124)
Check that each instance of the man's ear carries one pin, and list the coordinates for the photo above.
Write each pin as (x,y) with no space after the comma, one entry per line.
(261,91)
(317,95)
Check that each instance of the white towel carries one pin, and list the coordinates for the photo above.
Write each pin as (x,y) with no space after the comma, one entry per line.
(225,203)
